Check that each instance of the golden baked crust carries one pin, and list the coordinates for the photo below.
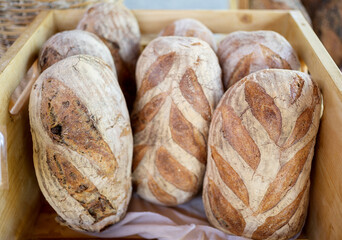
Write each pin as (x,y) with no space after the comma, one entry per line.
(261,143)
(241,53)
(82,142)
(179,85)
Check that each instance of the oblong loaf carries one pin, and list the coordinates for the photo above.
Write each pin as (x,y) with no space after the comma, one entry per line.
(118,28)
(261,143)
(188,27)
(179,85)
(70,43)
(82,142)
(241,53)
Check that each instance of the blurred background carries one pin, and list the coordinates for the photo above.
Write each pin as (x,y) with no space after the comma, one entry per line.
(177,4)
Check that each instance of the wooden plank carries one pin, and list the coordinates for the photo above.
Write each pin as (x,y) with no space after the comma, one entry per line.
(19,203)
(46,227)
(325,212)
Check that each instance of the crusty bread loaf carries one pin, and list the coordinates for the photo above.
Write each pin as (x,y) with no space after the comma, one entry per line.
(179,85)
(260,147)
(188,27)
(70,43)
(241,53)
(119,29)
(82,142)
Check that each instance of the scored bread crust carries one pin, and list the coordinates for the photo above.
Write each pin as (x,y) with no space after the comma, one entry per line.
(179,85)
(70,43)
(118,28)
(260,147)
(241,53)
(188,27)
(82,142)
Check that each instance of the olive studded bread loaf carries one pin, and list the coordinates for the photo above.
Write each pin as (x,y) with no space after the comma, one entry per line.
(179,85)
(82,142)
(70,43)
(188,27)
(241,53)
(118,28)
(260,147)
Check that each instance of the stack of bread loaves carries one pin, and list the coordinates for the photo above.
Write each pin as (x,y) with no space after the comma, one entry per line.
(250,147)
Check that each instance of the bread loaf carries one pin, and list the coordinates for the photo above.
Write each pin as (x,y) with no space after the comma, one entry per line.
(118,28)
(82,142)
(188,27)
(70,43)
(179,85)
(241,53)
(260,147)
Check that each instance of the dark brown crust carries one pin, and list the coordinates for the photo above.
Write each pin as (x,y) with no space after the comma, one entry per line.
(160,194)
(68,122)
(169,30)
(48,57)
(230,177)
(149,111)
(78,186)
(296,88)
(272,59)
(264,109)
(186,136)
(156,73)
(194,95)
(301,127)
(285,179)
(226,215)
(276,222)
(242,69)
(174,172)
(139,152)
(238,137)
(304,121)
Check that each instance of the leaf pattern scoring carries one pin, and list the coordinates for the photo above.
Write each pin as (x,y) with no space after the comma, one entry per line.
(174,172)
(230,177)
(264,109)
(238,137)
(68,122)
(193,93)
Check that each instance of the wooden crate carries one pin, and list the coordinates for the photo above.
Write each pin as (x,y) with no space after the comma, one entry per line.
(20,202)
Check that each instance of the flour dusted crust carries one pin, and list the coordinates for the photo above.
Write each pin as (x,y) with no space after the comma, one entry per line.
(116,25)
(70,43)
(260,147)
(241,53)
(179,85)
(82,142)
(188,27)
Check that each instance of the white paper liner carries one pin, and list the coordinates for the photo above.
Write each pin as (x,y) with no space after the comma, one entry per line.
(186,221)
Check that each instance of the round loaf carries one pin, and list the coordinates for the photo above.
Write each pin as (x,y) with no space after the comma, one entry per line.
(260,147)
(188,27)
(179,85)
(70,43)
(119,30)
(241,53)
(82,142)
